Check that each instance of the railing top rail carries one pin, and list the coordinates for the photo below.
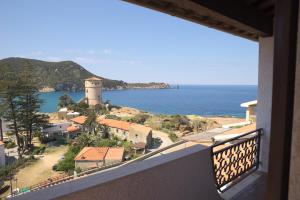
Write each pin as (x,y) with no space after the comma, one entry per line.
(237,137)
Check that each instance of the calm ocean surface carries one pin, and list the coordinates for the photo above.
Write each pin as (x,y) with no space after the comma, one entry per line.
(204,100)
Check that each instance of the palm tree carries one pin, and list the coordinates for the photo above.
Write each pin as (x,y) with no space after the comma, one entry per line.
(91,122)
(104,131)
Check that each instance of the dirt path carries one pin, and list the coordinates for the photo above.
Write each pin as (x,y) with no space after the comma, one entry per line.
(42,169)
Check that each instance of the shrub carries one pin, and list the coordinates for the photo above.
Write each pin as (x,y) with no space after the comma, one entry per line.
(139,118)
(112,117)
(68,163)
(106,143)
(9,144)
(6,170)
(39,150)
(173,137)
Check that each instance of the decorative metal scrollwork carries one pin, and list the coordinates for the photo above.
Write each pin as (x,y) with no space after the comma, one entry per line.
(234,158)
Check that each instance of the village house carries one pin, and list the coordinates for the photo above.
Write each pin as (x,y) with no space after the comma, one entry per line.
(117,127)
(90,157)
(79,120)
(139,134)
(64,114)
(131,132)
(250,110)
(72,132)
(55,130)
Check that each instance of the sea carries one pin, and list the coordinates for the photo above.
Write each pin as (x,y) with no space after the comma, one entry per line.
(204,100)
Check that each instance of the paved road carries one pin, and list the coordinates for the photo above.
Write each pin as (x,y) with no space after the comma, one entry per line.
(166,141)
(205,135)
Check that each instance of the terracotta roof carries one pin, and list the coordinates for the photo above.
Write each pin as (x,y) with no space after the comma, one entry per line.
(115,154)
(141,128)
(92,153)
(79,119)
(93,79)
(115,124)
(71,129)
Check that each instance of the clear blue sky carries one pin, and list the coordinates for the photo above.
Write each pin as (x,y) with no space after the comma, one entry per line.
(123,41)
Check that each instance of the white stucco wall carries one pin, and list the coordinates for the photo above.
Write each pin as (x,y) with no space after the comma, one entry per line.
(264,99)
(59,127)
(294,192)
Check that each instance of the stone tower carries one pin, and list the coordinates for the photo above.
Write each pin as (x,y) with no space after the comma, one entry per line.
(93,91)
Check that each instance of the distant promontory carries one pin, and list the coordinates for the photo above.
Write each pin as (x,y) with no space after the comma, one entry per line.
(65,75)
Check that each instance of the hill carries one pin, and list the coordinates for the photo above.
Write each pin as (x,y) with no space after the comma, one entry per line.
(58,76)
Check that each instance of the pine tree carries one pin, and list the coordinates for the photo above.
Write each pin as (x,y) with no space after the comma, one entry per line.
(9,100)
(29,118)
(65,101)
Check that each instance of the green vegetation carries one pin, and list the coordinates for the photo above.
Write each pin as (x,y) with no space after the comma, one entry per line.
(88,140)
(140,118)
(8,144)
(65,101)
(20,103)
(68,164)
(62,76)
(112,117)
(39,150)
(12,168)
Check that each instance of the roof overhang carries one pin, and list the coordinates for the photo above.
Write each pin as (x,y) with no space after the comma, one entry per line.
(232,16)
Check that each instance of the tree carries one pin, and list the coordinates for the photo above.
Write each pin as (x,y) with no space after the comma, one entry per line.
(9,98)
(80,107)
(2,111)
(65,101)
(140,118)
(29,118)
(91,121)
(84,140)
(104,131)
(19,96)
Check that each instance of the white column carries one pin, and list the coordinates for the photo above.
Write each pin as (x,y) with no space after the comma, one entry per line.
(264,99)
(294,182)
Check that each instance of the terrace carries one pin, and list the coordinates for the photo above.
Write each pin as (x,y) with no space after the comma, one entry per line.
(257,165)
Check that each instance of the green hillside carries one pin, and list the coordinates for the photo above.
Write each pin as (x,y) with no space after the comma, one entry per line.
(62,76)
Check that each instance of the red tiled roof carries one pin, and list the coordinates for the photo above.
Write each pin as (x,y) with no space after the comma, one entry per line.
(92,153)
(100,153)
(79,119)
(141,128)
(115,154)
(115,124)
(72,129)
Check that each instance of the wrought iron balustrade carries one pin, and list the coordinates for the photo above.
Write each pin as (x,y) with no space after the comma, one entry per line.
(235,158)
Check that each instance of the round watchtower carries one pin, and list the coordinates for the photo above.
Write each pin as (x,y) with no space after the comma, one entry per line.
(93,91)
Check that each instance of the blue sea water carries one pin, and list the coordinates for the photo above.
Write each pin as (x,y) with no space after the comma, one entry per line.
(206,100)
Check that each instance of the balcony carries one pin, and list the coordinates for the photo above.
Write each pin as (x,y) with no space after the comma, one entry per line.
(223,171)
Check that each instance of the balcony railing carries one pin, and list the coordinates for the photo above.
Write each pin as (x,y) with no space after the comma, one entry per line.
(235,158)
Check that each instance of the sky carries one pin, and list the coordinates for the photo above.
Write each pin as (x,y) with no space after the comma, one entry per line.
(122,41)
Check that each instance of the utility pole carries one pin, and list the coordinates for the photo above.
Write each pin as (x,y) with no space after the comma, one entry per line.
(1,130)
